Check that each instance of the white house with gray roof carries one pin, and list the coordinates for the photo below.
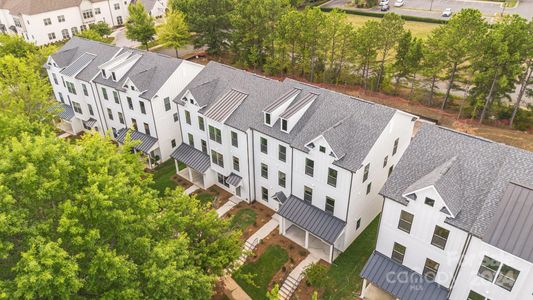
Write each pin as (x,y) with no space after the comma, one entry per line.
(316,156)
(456,221)
(119,90)
(44,22)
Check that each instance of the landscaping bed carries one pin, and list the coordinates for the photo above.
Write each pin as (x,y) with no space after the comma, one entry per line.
(253,217)
(272,261)
(214,195)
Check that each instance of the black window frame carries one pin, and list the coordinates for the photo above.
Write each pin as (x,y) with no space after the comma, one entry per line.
(401,221)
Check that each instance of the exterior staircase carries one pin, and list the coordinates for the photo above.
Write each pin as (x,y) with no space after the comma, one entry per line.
(289,286)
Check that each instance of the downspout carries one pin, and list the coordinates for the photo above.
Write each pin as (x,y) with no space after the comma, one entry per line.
(292,167)
(459,264)
(248,163)
(100,101)
(253,163)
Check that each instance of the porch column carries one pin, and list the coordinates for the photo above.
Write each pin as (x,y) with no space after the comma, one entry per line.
(331,253)
(149,162)
(190,175)
(363,289)
(306,243)
(282,226)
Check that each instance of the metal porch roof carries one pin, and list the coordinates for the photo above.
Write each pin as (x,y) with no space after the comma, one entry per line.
(147,141)
(192,157)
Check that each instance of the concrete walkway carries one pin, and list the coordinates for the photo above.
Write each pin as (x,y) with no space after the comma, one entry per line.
(233,290)
(191,189)
(291,283)
(228,206)
(263,231)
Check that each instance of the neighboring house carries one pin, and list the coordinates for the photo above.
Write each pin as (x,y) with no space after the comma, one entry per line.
(317,157)
(44,22)
(156,8)
(456,221)
(111,89)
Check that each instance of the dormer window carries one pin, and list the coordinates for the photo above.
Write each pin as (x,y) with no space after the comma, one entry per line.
(322,149)
(284,125)
(114,76)
(103,73)
(191,100)
(267,119)
(429,202)
(132,88)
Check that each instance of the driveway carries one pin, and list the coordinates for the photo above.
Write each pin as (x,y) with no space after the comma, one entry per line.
(434,8)
(121,40)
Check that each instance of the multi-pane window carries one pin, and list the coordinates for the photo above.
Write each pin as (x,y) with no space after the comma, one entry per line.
(264,193)
(431,268)
(143,108)
(90,107)
(87,14)
(167,103)
(440,237)
(61,18)
(77,107)
(116,6)
(47,21)
(267,118)
(74,30)
(173,143)
(84,88)
(176,118)
(264,170)
(281,179)
(236,164)
(332,177)
(215,134)
(146,128)
(264,145)
(120,118)
(406,221)
(282,153)
(309,167)
(284,125)
(115,96)
(330,205)
(52,36)
(191,139)
(104,93)
(395,147)
(110,114)
(308,194)
(217,158)
(65,33)
(234,139)
(385,161)
(368,188)
(55,78)
(201,123)
(61,97)
(475,296)
(204,146)
(134,123)
(119,20)
(130,103)
(429,201)
(366,172)
(322,149)
(500,274)
(398,253)
(97,11)
(70,87)
(187,117)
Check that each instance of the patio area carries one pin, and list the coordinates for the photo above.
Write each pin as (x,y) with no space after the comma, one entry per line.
(316,246)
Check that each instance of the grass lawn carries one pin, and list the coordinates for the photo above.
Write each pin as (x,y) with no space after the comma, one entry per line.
(418,29)
(243,218)
(262,270)
(343,275)
(162,176)
(205,197)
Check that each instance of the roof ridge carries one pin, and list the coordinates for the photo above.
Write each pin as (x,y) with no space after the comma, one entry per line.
(468,134)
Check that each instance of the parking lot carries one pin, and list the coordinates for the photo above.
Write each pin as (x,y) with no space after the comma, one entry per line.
(434,8)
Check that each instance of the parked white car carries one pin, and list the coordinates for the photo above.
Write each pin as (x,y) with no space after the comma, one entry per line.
(447,12)
(383,2)
(399,3)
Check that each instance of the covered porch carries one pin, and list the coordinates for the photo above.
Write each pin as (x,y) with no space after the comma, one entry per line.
(311,227)
(146,144)
(67,119)
(192,164)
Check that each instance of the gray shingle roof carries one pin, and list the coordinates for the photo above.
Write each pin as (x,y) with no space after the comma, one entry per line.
(192,157)
(331,113)
(33,7)
(391,276)
(233,179)
(147,141)
(476,181)
(311,218)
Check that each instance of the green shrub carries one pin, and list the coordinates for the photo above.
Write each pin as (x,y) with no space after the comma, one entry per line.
(316,275)
(380,15)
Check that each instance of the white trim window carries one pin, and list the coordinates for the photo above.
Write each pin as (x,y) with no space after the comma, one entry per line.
(500,274)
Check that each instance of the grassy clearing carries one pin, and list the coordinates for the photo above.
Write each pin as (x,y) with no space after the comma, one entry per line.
(418,29)
(205,197)
(343,279)
(162,176)
(243,218)
(262,271)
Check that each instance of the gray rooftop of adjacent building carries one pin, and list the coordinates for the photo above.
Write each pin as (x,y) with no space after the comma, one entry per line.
(146,141)
(475,184)
(391,277)
(309,217)
(33,7)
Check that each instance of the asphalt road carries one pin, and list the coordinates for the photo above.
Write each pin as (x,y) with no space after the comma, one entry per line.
(434,8)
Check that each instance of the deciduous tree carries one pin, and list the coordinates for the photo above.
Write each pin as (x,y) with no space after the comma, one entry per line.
(174,32)
(140,26)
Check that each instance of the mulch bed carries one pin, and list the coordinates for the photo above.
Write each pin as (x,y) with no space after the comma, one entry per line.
(181,181)
(222,196)
(263,215)
(305,291)
(296,255)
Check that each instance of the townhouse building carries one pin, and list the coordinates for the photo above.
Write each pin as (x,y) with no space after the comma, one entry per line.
(456,222)
(44,22)
(119,91)
(315,156)
(155,8)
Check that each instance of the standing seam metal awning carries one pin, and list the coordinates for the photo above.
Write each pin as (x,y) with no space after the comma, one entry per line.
(234,179)
(400,281)
(147,141)
(192,157)
(313,219)
(90,123)
(280,196)
(64,111)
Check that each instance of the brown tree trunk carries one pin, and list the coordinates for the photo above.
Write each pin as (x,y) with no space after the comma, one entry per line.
(432,90)
(452,78)
(523,87)
(488,102)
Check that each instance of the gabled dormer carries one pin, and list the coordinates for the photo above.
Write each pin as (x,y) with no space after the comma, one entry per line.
(321,145)
(272,112)
(119,65)
(290,117)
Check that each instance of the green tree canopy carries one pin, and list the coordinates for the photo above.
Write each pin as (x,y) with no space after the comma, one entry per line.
(140,26)
(101,27)
(174,32)
(94,35)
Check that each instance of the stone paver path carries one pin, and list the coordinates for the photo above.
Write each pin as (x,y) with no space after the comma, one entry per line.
(191,189)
